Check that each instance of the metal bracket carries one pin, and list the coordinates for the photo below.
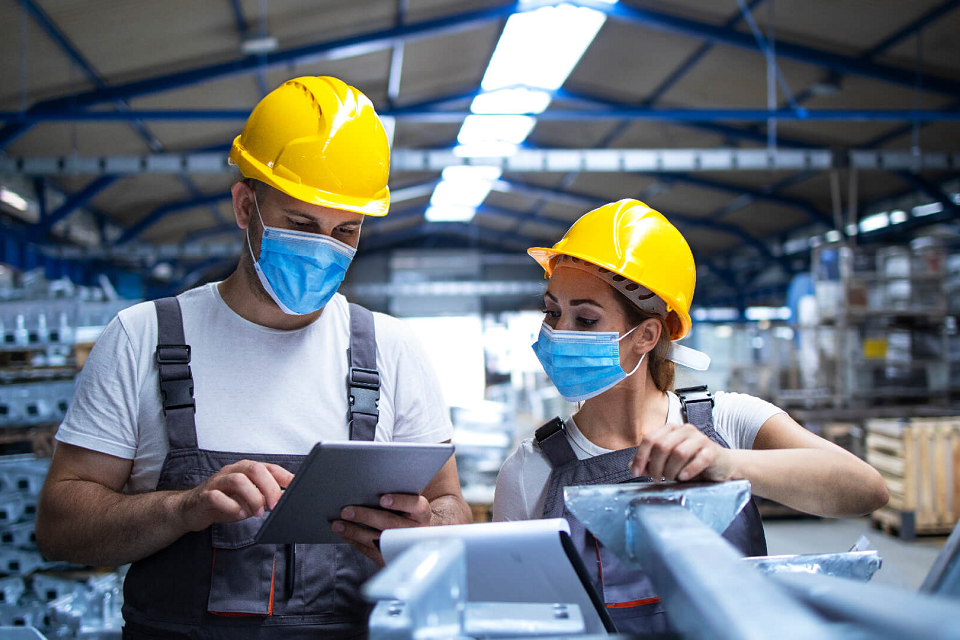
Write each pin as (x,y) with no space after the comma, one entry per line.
(422,595)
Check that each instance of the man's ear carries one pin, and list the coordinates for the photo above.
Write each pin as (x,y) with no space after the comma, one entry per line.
(648,335)
(243,207)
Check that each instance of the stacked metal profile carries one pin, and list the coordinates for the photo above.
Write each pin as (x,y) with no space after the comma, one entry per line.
(56,604)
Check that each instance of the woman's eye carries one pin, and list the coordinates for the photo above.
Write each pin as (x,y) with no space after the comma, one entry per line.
(347,231)
(299,224)
(586,322)
(550,313)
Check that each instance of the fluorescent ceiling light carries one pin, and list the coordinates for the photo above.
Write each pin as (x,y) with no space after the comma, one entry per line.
(767,313)
(511,101)
(450,213)
(927,209)
(485,150)
(13,199)
(540,48)
(899,216)
(464,186)
(258,45)
(467,172)
(852,229)
(832,236)
(874,222)
(486,129)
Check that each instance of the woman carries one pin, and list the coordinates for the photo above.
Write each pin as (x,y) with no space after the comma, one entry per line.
(621,283)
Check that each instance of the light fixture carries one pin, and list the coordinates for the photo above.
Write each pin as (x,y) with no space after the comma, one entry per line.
(518,101)
(927,209)
(874,222)
(899,216)
(487,129)
(540,48)
(258,45)
(450,213)
(485,150)
(832,236)
(13,199)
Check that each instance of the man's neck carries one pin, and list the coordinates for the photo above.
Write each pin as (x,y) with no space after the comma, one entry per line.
(245,296)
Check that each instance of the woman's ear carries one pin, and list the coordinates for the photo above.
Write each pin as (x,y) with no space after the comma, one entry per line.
(648,335)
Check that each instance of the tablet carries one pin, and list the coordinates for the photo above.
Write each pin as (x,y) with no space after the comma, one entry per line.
(338,474)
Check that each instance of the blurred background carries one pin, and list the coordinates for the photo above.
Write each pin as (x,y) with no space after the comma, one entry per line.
(808,151)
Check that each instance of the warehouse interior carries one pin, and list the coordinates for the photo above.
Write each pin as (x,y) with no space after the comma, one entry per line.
(808,153)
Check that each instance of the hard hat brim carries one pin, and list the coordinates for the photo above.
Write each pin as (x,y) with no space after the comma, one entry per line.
(545,258)
(250,167)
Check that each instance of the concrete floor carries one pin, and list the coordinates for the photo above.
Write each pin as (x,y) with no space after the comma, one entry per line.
(905,564)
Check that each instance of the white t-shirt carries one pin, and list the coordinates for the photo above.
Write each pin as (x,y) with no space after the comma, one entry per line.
(522,482)
(258,390)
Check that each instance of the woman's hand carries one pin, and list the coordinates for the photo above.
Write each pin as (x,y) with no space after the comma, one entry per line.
(682,452)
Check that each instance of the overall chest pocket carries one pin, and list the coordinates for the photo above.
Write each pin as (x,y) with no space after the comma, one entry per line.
(244,575)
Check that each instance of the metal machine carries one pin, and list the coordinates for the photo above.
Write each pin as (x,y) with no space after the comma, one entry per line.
(707,588)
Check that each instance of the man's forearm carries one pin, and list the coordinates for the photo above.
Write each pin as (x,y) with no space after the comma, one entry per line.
(87,523)
(450,509)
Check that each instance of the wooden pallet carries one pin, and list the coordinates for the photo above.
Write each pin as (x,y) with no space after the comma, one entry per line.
(919,459)
(38,439)
(482,512)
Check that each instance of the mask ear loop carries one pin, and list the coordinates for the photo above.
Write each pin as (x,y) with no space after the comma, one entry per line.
(641,357)
(262,226)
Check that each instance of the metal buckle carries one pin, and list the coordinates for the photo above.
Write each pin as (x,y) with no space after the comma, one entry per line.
(173,354)
(177,394)
(354,382)
(547,430)
(694,394)
(364,394)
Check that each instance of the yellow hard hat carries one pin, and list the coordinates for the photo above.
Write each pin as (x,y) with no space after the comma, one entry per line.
(631,240)
(319,140)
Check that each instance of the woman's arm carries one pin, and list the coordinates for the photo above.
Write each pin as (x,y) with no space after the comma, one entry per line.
(801,470)
(787,464)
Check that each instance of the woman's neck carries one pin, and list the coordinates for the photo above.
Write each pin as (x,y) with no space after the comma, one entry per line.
(619,418)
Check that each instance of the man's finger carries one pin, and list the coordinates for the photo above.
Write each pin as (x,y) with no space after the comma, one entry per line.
(226,508)
(281,475)
(238,486)
(417,507)
(355,533)
(376,518)
(265,482)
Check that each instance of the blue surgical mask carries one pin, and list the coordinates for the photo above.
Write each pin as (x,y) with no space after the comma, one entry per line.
(581,364)
(300,271)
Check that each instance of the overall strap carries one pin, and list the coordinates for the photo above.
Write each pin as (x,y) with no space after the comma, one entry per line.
(696,404)
(363,379)
(552,440)
(176,380)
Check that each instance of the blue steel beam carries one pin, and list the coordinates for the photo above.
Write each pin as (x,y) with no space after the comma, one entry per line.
(693,60)
(926,19)
(172,207)
(489,237)
(358,45)
(933,190)
(72,203)
(677,218)
(767,195)
(724,35)
(434,116)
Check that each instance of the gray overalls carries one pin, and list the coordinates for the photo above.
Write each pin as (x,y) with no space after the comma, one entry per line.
(217,584)
(628,594)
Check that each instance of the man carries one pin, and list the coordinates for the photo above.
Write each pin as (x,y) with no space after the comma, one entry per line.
(191,413)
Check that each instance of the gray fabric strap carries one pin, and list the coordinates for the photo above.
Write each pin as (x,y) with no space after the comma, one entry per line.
(363,379)
(552,439)
(176,380)
(697,406)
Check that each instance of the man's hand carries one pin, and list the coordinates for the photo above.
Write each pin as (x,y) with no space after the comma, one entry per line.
(682,452)
(236,492)
(362,526)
